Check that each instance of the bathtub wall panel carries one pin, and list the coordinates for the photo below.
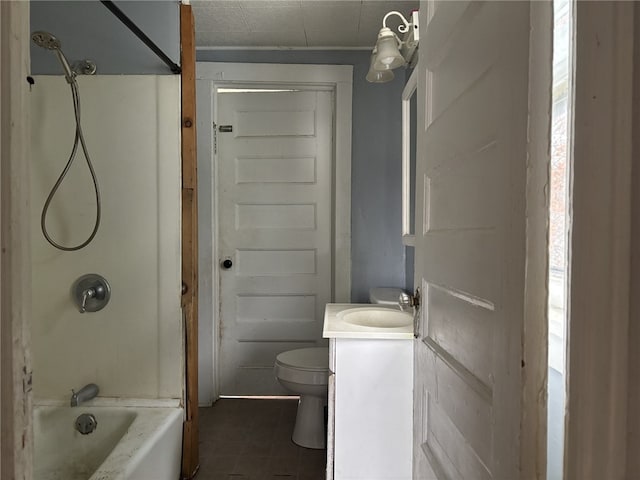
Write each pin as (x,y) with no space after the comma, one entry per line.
(133,347)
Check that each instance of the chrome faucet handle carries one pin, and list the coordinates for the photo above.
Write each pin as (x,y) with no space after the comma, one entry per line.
(90,293)
(86,295)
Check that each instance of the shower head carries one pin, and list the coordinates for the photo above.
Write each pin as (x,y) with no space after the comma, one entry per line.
(49,42)
(45,40)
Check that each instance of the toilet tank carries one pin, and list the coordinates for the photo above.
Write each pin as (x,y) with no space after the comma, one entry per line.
(385,295)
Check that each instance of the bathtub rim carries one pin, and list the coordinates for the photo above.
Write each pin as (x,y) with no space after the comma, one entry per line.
(122,402)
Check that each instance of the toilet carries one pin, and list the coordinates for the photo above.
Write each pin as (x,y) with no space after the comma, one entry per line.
(305,372)
(385,295)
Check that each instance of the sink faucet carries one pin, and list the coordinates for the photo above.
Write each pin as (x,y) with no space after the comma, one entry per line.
(85,393)
(405,301)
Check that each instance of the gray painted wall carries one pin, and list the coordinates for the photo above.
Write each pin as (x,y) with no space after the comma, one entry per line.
(378,256)
(88,30)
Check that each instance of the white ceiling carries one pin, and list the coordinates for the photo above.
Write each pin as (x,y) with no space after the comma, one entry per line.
(293,23)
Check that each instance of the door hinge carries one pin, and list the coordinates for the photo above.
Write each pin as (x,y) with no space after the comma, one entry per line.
(416,301)
(215,138)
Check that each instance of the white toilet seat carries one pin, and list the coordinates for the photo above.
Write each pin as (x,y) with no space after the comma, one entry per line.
(307,366)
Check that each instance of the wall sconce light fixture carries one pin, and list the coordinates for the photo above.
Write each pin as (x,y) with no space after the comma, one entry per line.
(378,76)
(392,51)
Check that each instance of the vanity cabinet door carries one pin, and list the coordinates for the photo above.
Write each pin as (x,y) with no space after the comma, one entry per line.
(373,404)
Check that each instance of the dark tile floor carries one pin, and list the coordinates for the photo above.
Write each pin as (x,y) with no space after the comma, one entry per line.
(250,439)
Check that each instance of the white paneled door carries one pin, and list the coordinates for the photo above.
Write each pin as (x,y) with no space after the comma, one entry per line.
(471,237)
(274,190)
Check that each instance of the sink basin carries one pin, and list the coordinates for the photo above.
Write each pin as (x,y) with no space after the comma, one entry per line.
(376,317)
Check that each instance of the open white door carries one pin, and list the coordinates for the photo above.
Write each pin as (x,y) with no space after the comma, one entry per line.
(473,242)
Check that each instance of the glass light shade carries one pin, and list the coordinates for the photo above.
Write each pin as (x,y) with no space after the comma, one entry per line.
(388,56)
(378,76)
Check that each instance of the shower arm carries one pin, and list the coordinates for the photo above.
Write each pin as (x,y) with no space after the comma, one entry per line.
(113,8)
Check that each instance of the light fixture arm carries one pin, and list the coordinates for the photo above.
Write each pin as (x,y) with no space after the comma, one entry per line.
(401,28)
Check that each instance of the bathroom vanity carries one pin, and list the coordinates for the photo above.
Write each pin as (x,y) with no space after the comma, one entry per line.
(370,392)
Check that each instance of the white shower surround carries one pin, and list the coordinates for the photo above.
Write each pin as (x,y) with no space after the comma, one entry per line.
(133,347)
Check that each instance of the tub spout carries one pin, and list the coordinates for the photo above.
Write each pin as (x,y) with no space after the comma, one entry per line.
(85,393)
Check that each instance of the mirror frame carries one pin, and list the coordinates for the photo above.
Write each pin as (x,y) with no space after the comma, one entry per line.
(408,237)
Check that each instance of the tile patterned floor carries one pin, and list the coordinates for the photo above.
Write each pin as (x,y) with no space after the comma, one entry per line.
(250,439)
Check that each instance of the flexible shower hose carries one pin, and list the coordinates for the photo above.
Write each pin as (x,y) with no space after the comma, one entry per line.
(79,138)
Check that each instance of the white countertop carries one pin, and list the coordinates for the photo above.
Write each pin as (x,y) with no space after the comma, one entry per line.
(335,327)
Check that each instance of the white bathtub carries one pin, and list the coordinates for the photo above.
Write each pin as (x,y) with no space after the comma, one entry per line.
(129,443)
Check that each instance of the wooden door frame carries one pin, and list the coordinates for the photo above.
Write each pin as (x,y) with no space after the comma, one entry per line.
(16,441)
(600,243)
(533,415)
(338,78)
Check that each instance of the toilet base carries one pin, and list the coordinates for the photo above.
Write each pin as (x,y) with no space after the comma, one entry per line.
(309,429)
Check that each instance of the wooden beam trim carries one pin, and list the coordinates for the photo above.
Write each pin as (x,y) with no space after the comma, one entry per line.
(190,462)
(188,78)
